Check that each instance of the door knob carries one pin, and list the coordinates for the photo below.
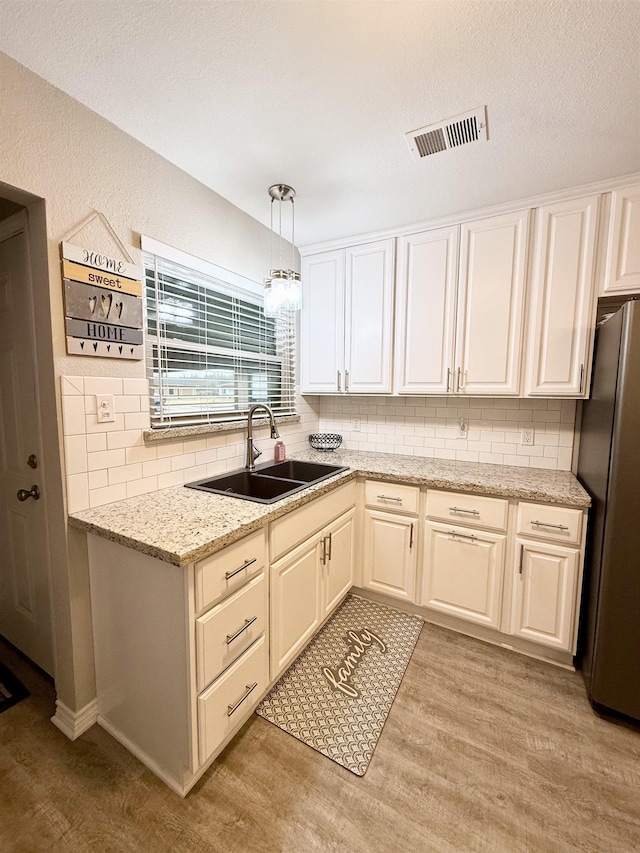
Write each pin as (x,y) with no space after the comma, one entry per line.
(33,492)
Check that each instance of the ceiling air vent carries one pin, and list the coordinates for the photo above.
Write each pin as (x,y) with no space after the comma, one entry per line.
(456,131)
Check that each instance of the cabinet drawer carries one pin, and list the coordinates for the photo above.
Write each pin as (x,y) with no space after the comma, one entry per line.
(471,510)
(391,496)
(229,569)
(225,631)
(556,523)
(298,525)
(230,699)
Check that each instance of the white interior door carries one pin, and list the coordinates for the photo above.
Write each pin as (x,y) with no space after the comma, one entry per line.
(25,609)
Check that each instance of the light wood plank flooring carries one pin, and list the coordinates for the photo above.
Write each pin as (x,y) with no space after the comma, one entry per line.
(484,750)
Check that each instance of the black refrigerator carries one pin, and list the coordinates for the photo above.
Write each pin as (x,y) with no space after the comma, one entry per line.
(609,469)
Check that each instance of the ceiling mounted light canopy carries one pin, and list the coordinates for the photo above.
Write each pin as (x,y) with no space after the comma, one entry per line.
(283,287)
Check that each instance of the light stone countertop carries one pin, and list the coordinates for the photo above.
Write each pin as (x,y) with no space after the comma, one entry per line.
(180,525)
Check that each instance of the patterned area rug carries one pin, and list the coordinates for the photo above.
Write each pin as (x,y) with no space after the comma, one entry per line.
(11,690)
(336,696)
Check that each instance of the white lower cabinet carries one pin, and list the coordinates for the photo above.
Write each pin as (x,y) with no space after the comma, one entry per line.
(389,559)
(545,593)
(307,584)
(462,572)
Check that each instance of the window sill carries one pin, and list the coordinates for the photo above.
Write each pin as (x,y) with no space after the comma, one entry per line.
(168,433)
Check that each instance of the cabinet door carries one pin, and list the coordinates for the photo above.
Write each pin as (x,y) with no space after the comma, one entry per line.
(622,272)
(338,560)
(425,311)
(322,323)
(463,571)
(490,304)
(295,603)
(544,593)
(369,318)
(561,329)
(389,554)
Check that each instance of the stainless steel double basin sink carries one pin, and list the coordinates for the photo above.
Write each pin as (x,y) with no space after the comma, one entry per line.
(268,483)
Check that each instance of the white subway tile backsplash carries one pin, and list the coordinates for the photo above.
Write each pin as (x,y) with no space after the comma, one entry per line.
(98,479)
(124,438)
(77,492)
(73,415)
(137,420)
(127,403)
(424,424)
(96,441)
(135,386)
(72,385)
(92,424)
(155,467)
(171,478)
(106,459)
(75,454)
(102,385)
(142,487)
(125,473)
(99,497)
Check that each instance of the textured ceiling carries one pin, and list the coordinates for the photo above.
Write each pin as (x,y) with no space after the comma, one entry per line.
(319,95)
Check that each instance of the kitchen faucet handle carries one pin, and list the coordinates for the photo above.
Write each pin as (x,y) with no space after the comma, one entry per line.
(256,452)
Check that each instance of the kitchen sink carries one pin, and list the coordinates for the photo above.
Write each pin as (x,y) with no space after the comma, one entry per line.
(268,483)
(293,469)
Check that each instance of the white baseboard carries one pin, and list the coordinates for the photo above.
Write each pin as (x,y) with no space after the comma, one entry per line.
(74,723)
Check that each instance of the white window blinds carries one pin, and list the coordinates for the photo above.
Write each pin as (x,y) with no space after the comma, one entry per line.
(211,352)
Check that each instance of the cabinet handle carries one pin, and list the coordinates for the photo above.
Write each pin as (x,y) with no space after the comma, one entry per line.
(521,558)
(247,623)
(471,536)
(581,377)
(459,509)
(546,524)
(231,709)
(245,565)
(346,380)
(448,378)
(339,381)
(411,537)
(388,498)
(330,549)
(324,550)
(459,372)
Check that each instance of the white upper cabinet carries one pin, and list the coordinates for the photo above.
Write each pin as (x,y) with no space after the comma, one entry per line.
(347,320)
(460,302)
(622,272)
(561,322)
(491,304)
(369,318)
(425,311)
(322,322)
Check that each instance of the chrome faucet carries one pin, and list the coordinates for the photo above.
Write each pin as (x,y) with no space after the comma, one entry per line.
(252,450)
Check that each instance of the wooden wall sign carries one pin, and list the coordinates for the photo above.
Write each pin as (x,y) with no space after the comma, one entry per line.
(103,305)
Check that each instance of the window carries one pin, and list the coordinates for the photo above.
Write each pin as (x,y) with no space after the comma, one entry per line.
(211,352)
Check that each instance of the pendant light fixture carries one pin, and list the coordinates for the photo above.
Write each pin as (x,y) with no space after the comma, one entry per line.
(283,287)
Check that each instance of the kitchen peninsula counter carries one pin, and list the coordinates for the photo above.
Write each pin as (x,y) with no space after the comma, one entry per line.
(180,525)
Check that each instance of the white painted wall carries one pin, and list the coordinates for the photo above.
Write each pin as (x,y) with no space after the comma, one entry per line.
(57,149)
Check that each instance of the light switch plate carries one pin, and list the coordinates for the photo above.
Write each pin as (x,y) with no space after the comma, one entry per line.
(105,408)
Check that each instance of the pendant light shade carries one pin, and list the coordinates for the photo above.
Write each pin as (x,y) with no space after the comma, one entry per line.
(283,287)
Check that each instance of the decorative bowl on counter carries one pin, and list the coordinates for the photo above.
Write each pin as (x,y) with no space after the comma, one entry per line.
(325,440)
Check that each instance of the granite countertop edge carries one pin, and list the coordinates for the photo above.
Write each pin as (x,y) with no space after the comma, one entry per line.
(196,536)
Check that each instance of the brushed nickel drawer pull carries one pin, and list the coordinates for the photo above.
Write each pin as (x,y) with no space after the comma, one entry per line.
(324,550)
(411,537)
(339,382)
(546,524)
(389,498)
(448,378)
(330,548)
(521,559)
(245,565)
(247,623)
(459,509)
(346,380)
(471,536)
(231,709)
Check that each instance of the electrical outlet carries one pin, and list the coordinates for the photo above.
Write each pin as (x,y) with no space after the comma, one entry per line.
(105,408)
(357,424)
(463,428)
(526,436)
